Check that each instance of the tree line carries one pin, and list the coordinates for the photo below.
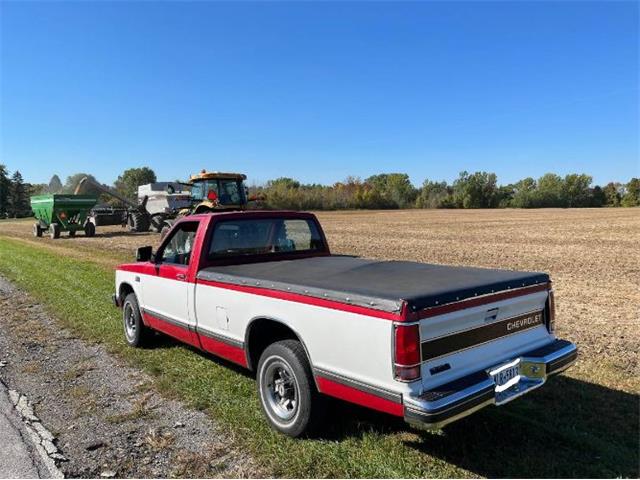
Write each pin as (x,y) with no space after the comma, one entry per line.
(383,191)
(469,190)
(15,192)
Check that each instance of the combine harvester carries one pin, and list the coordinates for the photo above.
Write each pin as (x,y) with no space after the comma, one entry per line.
(164,201)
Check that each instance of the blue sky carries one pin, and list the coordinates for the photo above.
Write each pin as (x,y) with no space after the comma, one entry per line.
(319,91)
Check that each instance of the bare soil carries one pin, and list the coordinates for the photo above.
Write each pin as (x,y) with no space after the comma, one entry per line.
(592,255)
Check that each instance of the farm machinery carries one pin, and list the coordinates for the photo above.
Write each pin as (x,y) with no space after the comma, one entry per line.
(209,191)
(159,204)
(58,213)
(133,215)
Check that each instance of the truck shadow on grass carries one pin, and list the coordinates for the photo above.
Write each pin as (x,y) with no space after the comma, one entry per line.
(570,428)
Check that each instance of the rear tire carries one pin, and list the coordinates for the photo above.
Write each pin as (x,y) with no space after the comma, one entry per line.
(37,231)
(288,395)
(89,229)
(54,231)
(138,222)
(135,332)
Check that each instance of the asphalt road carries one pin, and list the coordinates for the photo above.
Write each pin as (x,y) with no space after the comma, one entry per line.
(19,456)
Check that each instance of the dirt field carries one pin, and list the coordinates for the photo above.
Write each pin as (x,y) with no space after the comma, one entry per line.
(593,256)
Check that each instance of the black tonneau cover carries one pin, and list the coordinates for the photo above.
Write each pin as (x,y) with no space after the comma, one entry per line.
(383,285)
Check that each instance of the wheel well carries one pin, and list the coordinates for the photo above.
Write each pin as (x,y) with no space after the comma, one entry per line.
(261,333)
(125,289)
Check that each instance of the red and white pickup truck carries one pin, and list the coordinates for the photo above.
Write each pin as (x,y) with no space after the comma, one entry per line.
(429,343)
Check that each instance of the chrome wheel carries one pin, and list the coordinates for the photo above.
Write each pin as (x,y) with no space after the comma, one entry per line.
(280,389)
(129,322)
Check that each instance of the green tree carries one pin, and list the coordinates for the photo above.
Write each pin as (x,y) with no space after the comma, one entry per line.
(395,188)
(55,185)
(18,199)
(435,195)
(5,185)
(613,194)
(576,190)
(283,182)
(550,192)
(476,190)
(631,197)
(597,197)
(524,193)
(36,188)
(505,195)
(127,184)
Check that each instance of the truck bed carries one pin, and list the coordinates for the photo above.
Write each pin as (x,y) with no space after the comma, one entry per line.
(382,285)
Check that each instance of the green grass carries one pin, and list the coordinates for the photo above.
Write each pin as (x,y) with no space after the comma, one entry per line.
(569,428)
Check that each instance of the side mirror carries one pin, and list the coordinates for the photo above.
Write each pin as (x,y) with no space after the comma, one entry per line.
(144,254)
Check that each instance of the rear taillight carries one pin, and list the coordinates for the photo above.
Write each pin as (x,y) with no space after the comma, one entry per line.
(551,312)
(407,353)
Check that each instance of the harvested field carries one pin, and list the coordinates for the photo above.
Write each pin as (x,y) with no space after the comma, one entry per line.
(590,421)
(593,256)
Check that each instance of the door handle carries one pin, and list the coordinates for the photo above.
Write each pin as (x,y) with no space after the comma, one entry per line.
(181,276)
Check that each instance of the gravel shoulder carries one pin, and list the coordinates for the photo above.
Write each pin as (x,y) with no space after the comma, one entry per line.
(105,417)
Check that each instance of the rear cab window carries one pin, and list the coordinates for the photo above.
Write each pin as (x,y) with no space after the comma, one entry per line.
(264,236)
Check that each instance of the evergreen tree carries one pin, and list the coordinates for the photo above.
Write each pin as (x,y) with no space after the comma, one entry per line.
(5,184)
(18,200)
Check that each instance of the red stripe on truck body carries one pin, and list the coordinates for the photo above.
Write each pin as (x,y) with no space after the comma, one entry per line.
(224,350)
(299,298)
(353,395)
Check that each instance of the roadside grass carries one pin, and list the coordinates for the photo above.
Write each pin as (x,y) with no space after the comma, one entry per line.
(570,428)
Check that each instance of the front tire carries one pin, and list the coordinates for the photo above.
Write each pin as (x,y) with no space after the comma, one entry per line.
(135,332)
(54,231)
(37,231)
(287,391)
(157,222)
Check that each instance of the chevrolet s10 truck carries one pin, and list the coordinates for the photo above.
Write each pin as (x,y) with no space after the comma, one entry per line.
(429,343)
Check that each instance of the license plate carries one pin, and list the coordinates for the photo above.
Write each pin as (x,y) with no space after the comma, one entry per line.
(506,375)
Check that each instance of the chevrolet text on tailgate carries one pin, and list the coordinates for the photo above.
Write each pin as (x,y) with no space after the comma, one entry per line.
(429,343)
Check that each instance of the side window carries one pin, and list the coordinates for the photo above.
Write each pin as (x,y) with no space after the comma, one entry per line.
(178,249)
(229,193)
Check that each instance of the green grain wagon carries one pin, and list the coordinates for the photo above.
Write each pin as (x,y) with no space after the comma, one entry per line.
(63,213)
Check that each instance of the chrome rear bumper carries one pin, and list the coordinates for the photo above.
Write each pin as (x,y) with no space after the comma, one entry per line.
(457,399)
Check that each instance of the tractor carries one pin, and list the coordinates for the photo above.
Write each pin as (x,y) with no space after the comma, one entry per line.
(212,191)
